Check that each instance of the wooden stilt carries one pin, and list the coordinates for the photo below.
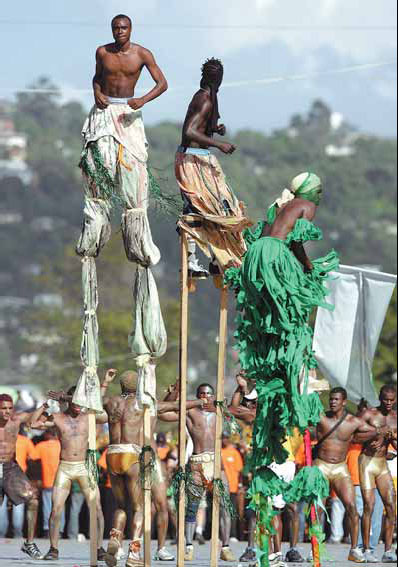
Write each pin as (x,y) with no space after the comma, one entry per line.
(308,462)
(183,393)
(92,445)
(147,492)
(219,426)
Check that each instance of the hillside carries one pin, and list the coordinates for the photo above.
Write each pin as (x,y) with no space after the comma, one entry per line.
(40,276)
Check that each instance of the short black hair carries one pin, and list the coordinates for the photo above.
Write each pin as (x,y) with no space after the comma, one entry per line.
(388,389)
(122,17)
(341,391)
(204,386)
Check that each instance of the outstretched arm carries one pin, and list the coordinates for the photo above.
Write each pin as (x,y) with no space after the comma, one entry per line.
(157,76)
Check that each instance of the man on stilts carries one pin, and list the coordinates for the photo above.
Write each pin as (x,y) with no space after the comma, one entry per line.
(218,216)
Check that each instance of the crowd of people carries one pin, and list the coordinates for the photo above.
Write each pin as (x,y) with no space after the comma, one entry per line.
(357,454)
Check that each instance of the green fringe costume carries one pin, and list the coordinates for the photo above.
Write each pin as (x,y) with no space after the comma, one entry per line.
(275,298)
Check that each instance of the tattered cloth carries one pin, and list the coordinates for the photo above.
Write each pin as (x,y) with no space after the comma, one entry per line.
(219,214)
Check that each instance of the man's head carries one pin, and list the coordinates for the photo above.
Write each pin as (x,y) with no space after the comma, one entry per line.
(250,400)
(73,408)
(205,392)
(388,397)
(128,382)
(161,440)
(338,399)
(212,74)
(121,29)
(6,407)
(307,186)
(226,440)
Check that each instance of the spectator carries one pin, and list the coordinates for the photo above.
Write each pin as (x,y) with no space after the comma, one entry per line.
(48,452)
(233,466)
(25,451)
(162,446)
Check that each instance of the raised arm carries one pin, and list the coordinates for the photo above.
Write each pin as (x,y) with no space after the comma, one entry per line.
(156,74)
(173,392)
(33,418)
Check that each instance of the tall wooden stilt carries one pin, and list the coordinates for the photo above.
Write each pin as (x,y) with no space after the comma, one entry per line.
(219,426)
(147,491)
(308,462)
(183,393)
(92,445)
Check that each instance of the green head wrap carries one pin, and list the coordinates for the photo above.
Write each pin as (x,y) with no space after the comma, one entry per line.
(307,186)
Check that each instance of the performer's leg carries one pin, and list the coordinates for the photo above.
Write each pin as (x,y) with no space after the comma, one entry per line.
(59,498)
(368,507)
(294,523)
(345,491)
(385,486)
(136,502)
(159,493)
(88,494)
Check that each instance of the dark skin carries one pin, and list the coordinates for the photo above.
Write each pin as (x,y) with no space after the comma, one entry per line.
(196,121)
(287,216)
(119,66)
(10,423)
(383,417)
(334,450)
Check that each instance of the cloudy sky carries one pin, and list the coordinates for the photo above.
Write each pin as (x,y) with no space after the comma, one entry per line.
(302,45)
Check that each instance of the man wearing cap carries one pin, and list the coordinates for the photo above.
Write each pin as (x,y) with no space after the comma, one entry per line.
(126,429)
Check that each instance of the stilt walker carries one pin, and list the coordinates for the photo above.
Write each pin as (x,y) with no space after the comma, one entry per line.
(115,172)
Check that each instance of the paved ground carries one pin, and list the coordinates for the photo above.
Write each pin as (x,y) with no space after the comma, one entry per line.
(75,554)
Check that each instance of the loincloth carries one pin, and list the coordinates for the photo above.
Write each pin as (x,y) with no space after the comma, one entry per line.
(70,472)
(15,484)
(220,215)
(371,469)
(333,472)
(121,458)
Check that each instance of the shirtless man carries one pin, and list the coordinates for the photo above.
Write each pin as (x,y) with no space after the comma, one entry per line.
(201,424)
(375,473)
(126,428)
(73,430)
(331,458)
(204,189)
(13,482)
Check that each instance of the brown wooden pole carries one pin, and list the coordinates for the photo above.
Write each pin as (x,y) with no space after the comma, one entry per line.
(219,424)
(92,445)
(183,393)
(147,491)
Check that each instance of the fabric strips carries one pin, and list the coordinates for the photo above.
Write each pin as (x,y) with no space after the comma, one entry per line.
(92,468)
(275,298)
(114,168)
(147,466)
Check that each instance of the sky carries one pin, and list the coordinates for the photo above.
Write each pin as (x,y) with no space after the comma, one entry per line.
(279,55)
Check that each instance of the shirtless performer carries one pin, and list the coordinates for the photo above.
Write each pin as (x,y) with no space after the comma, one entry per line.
(126,427)
(331,458)
(201,424)
(13,482)
(73,430)
(220,217)
(375,473)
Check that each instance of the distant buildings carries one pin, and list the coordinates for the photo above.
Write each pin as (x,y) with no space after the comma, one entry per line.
(12,148)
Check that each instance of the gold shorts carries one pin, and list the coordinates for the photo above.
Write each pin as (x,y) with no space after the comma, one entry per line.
(333,472)
(371,469)
(71,472)
(120,458)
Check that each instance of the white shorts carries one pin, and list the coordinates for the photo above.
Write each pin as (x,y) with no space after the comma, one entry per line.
(286,472)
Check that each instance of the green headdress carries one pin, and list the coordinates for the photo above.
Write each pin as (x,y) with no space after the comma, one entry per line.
(307,186)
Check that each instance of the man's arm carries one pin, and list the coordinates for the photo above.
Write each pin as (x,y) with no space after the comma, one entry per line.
(366,432)
(242,390)
(301,255)
(31,418)
(200,117)
(101,100)
(170,407)
(244,414)
(157,76)
(173,392)
(109,378)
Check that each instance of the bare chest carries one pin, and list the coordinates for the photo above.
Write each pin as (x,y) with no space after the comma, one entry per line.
(342,434)
(73,430)
(126,65)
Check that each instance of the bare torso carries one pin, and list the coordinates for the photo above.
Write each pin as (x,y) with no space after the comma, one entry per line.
(199,112)
(374,417)
(73,435)
(8,438)
(117,71)
(287,217)
(202,428)
(335,448)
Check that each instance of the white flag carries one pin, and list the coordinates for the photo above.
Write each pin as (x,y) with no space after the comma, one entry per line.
(346,339)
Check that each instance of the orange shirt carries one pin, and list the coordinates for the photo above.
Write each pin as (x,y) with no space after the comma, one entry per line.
(104,465)
(352,461)
(163,452)
(233,466)
(25,450)
(49,453)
